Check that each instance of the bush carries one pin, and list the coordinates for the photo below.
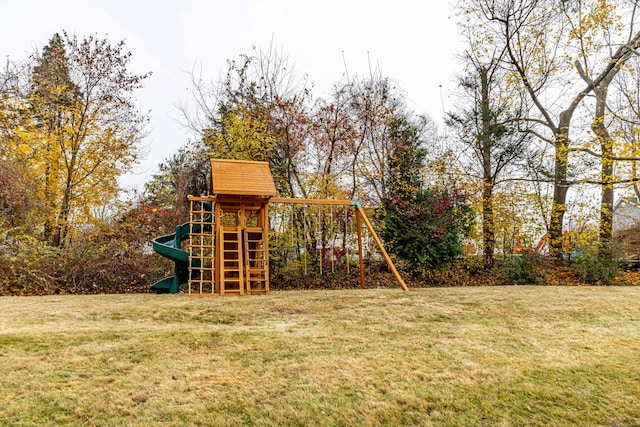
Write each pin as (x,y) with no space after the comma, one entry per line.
(106,267)
(83,268)
(425,228)
(114,258)
(597,267)
(26,267)
(525,269)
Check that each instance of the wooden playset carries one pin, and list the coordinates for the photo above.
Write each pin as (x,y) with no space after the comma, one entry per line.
(228,234)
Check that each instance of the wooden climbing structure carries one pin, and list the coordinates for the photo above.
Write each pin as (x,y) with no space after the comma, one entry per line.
(229,230)
(228,248)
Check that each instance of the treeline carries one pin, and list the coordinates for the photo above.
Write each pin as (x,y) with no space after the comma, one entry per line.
(556,81)
(543,132)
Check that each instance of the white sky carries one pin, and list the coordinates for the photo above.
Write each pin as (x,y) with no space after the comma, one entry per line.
(414,42)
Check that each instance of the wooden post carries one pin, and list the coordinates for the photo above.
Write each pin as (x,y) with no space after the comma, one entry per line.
(217,277)
(381,247)
(264,223)
(243,249)
(360,260)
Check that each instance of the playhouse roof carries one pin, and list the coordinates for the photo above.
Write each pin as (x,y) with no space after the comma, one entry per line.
(241,178)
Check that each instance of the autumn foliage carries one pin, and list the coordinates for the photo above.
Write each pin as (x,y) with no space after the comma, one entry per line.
(524,147)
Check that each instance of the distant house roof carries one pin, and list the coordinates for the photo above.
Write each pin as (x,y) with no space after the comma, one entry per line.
(241,178)
(626,213)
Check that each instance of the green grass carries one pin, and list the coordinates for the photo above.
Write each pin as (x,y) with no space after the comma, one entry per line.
(440,356)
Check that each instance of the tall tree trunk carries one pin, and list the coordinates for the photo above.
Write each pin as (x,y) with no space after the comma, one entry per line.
(49,222)
(606,177)
(560,185)
(62,223)
(488,225)
(599,128)
(486,144)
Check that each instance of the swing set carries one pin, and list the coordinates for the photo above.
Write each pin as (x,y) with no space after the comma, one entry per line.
(228,234)
(313,237)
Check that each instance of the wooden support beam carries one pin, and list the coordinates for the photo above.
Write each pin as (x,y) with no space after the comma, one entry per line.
(360,256)
(311,201)
(381,247)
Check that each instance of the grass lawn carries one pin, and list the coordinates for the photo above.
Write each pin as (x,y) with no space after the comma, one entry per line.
(495,356)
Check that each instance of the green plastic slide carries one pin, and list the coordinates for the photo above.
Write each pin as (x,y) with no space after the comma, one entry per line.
(169,247)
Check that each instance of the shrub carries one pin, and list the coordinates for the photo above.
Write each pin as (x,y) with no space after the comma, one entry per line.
(113,258)
(425,228)
(26,267)
(525,269)
(597,267)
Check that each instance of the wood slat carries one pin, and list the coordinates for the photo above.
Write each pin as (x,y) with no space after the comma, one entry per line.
(241,178)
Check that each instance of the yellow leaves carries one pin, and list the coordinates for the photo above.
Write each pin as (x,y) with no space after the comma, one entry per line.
(600,19)
(67,157)
(75,129)
(243,137)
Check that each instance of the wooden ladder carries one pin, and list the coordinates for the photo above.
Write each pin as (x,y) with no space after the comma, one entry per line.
(256,267)
(231,271)
(201,249)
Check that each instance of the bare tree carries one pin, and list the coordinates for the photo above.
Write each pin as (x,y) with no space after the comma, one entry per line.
(542,40)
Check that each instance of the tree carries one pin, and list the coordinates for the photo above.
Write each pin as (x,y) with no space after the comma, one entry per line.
(624,114)
(259,110)
(375,104)
(16,205)
(421,225)
(541,40)
(242,136)
(16,197)
(12,111)
(490,129)
(84,129)
(163,187)
(330,145)
(604,17)
(425,228)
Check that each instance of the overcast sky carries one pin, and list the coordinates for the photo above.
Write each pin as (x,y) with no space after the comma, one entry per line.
(413,42)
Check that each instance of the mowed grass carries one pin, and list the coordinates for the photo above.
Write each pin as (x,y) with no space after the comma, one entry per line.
(440,356)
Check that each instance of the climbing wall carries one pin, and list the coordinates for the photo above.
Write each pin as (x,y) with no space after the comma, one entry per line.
(202,237)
